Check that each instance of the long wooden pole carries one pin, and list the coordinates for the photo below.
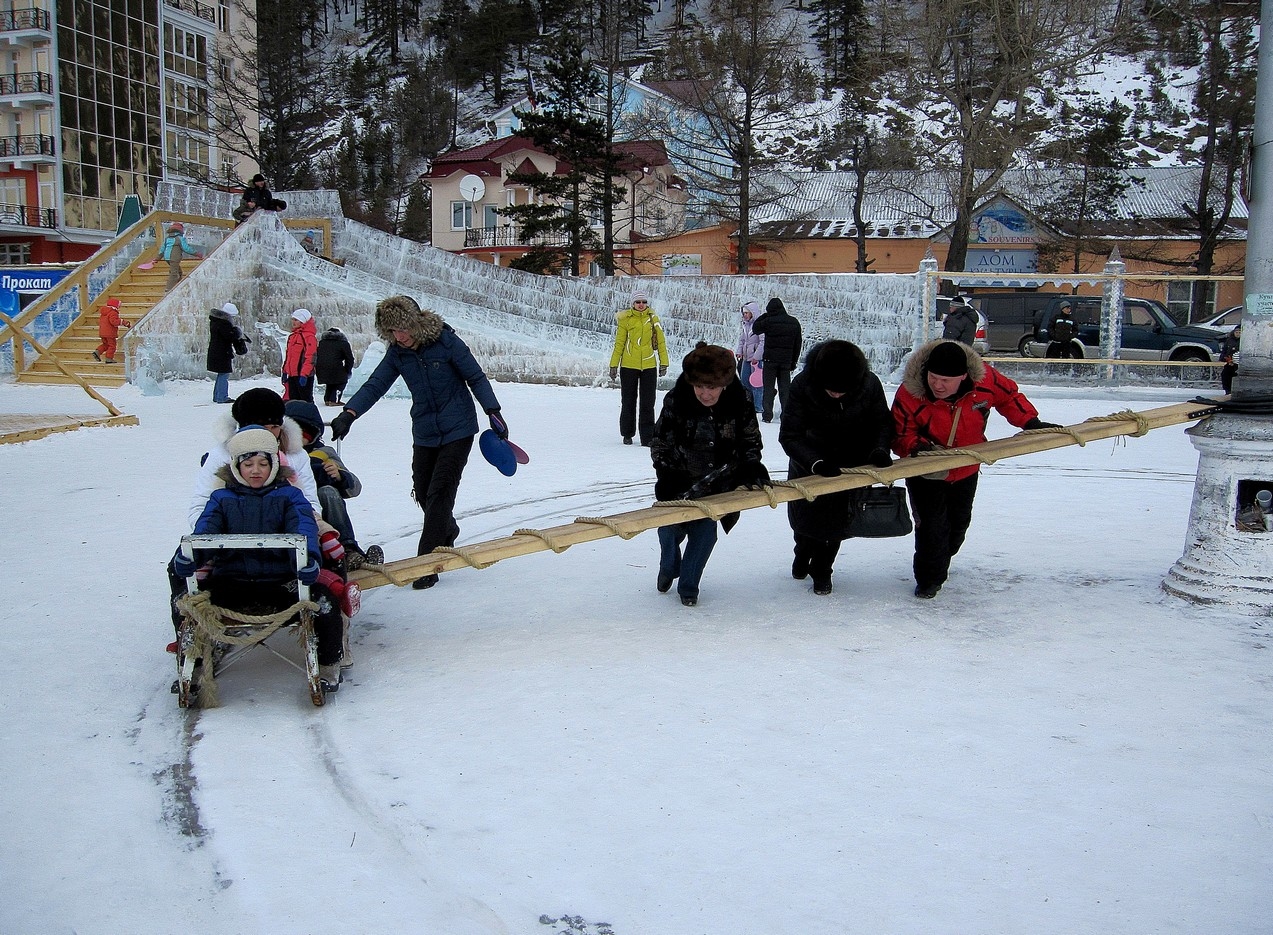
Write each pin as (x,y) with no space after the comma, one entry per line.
(110,407)
(629,524)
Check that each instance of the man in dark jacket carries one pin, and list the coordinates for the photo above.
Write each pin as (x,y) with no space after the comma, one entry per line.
(838,418)
(334,365)
(1062,330)
(706,441)
(782,353)
(225,339)
(443,377)
(256,195)
(960,323)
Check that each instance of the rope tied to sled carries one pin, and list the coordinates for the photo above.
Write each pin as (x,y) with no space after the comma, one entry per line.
(544,538)
(1125,415)
(1057,430)
(609,524)
(704,508)
(795,485)
(966,452)
(463,552)
(387,570)
(870,472)
(211,624)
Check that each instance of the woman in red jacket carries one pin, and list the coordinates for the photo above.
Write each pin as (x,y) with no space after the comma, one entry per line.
(944,401)
(298,363)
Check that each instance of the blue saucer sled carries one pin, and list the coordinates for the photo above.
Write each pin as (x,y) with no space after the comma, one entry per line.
(501,453)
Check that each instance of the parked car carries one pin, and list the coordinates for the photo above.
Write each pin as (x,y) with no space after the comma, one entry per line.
(1226,321)
(1010,317)
(1149,333)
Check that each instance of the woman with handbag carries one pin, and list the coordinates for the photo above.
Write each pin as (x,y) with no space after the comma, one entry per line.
(944,401)
(836,416)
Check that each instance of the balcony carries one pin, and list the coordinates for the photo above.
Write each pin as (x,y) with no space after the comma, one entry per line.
(508,237)
(26,146)
(26,216)
(33,87)
(28,26)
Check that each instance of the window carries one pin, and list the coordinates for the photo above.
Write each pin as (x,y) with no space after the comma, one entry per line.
(461,215)
(489,217)
(15,254)
(1137,316)
(1180,299)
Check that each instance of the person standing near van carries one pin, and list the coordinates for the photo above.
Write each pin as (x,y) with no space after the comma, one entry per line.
(960,323)
(1062,330)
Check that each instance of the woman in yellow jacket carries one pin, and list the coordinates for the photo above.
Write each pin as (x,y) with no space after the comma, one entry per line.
(638,360)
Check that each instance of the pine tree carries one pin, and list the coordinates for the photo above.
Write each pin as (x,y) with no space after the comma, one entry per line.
(1093,162)
(566,128)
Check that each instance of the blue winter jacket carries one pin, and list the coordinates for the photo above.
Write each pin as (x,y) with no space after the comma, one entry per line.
(237,508)
(439,376)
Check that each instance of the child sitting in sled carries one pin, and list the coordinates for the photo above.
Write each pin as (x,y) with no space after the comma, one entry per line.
(258,498)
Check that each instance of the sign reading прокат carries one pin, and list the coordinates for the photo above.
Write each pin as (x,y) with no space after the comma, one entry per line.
(32,280)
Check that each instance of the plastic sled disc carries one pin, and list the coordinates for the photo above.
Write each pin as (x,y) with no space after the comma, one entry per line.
(521,456)
(757,377)
(149,264)
(497,452)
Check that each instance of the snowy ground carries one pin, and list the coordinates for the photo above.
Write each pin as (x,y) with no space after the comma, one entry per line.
(1054,745)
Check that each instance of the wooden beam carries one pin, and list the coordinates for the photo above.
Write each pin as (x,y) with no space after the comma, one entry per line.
(626,525)
(44,352)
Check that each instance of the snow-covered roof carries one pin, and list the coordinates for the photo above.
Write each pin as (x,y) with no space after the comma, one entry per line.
(918,204)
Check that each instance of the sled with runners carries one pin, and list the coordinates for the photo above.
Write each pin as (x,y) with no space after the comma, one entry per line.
(210,638)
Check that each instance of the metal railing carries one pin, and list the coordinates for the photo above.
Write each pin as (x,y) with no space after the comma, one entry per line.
(26,18)
(28,216)
(28,144)
(508,237)
(31,82)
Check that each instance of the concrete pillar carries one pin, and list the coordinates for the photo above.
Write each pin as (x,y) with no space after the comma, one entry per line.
(1228,555)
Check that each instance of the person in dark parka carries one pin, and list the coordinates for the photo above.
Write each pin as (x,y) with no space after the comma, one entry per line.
(225,340)
(335,364)
(837,417)
(782,353)
(706,441)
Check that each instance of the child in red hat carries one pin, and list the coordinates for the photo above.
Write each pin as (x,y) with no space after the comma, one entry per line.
(108,325)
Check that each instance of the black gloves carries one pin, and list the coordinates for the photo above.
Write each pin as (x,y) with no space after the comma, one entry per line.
(880,458)
(1037,423)
(341,424)
(498,425)
(826,468)
(754,476)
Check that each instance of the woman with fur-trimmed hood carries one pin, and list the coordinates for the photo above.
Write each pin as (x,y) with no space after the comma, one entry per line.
(836,417)
(944,401)
(443,378)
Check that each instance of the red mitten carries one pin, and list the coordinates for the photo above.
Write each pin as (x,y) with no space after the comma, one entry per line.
(333,551)
(332,582)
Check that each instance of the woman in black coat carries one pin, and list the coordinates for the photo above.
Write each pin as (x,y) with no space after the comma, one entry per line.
(836,417)
(334,364)
(225,339)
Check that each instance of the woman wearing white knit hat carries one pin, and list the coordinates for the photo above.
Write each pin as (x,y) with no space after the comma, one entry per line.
(298,363)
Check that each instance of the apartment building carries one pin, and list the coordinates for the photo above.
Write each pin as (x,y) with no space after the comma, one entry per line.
(102,99)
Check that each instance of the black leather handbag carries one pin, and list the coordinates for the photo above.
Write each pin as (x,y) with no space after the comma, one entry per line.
(879,513)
